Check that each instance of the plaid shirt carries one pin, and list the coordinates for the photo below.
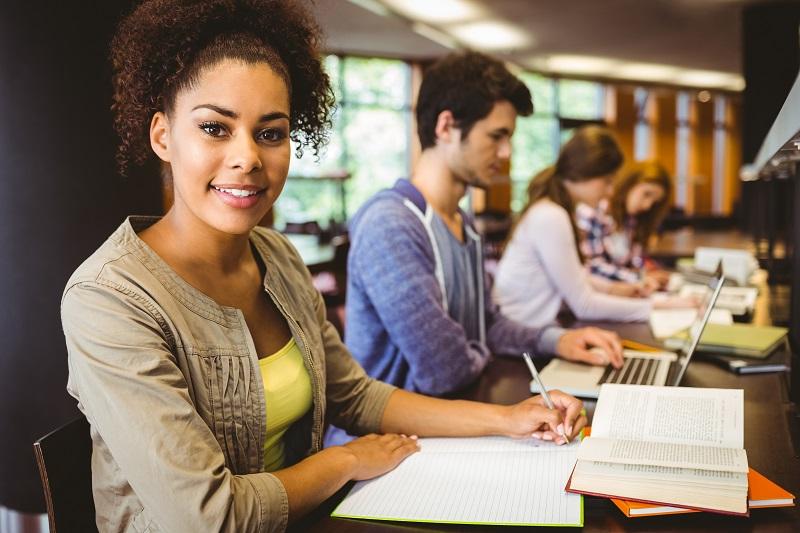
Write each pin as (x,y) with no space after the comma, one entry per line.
(608,252)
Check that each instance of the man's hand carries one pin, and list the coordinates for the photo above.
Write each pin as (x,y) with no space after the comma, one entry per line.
(575,345)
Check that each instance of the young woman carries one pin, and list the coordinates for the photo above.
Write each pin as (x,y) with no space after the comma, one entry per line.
(616,234)
(198,349)
(542,268)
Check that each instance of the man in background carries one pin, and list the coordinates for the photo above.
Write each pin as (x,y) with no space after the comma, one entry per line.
(418,311)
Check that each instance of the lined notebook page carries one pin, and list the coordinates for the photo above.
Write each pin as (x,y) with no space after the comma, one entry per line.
(488,480)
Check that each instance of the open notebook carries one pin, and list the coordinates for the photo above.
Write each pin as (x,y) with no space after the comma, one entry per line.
(482,480)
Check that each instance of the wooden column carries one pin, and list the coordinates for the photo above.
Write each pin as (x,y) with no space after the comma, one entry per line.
(701,157)
(733,153)
(621,116)
(665,125)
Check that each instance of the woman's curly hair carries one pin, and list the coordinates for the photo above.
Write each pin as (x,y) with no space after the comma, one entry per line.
(163,46)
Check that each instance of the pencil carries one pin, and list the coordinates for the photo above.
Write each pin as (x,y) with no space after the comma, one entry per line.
(545,395)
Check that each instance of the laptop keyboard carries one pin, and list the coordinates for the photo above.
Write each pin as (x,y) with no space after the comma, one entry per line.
(634,371)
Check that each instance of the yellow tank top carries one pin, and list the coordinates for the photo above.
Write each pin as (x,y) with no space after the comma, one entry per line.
(287,391)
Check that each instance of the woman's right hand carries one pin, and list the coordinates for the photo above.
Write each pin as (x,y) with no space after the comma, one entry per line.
(378,454)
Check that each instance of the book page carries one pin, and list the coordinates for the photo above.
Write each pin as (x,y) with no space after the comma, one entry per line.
(683,476)
(682,415)
(635,452)
(490,480)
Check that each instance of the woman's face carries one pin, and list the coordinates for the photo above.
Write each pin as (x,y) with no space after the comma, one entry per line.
(642,197)
(227,144)
(590,191)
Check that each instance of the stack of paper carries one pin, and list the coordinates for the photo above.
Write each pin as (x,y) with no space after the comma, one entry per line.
(737,300)
(488,480)
(665,323)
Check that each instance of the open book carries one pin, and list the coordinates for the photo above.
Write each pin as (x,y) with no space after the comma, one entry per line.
(669,445)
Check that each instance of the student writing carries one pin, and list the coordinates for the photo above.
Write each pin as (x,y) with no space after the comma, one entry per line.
(541,268)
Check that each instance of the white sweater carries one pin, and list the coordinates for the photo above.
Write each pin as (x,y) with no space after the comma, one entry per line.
(541,268)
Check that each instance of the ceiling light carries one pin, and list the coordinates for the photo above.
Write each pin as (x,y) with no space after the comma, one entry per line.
(710,79)
(437,11)
(373,6)
(491,35)
(605,67)
(577,64)
(652,72)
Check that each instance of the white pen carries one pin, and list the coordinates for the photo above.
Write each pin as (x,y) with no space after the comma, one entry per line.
(546,396)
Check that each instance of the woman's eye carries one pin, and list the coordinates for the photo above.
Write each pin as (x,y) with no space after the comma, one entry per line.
(212,128)
(272,135)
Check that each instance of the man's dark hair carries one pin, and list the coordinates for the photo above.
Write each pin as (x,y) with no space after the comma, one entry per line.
(468,84)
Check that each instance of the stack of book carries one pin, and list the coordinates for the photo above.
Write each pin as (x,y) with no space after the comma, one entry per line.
(658,448)
(762,493)
(741,348)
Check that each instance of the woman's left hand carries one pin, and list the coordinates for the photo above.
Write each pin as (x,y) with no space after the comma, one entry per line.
(532,418)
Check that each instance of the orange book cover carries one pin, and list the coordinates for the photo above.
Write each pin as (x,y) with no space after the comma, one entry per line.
(761,493)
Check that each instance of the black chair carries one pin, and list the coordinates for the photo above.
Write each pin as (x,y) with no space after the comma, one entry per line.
(64,457)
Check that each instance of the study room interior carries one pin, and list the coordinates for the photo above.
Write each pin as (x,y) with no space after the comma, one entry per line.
(708,90)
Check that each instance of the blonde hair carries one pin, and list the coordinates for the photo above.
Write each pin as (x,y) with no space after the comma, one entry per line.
(646,223)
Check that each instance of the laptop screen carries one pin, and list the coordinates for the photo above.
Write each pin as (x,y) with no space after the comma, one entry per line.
(696,332)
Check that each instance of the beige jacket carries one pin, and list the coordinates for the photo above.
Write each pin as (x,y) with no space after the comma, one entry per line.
(170,384)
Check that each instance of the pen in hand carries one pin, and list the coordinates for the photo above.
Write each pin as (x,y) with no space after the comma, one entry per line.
(546,396)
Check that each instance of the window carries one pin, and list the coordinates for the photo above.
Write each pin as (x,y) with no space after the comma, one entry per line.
(559,106)
(581,100)
(682,145)
(369,140)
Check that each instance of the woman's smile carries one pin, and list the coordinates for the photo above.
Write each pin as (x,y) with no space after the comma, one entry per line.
(239,196)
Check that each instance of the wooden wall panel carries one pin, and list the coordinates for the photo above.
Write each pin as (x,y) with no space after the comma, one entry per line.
(733,155)
(701,164)
(621,117)
(57,150)
(664,127)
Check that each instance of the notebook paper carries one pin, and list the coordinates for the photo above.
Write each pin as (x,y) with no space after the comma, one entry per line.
(488,480)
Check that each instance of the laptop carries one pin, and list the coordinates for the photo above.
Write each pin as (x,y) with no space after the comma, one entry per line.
(639,367)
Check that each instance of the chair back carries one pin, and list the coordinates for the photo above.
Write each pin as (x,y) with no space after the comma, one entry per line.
(64,457)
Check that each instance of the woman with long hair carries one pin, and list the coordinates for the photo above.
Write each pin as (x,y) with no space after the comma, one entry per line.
(542,266)
(616,234)
(198,349)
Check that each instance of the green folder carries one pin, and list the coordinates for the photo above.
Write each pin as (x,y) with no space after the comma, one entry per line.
(741,339)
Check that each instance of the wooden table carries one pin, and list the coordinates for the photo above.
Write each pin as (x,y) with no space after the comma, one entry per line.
(767,440)
(673,245)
